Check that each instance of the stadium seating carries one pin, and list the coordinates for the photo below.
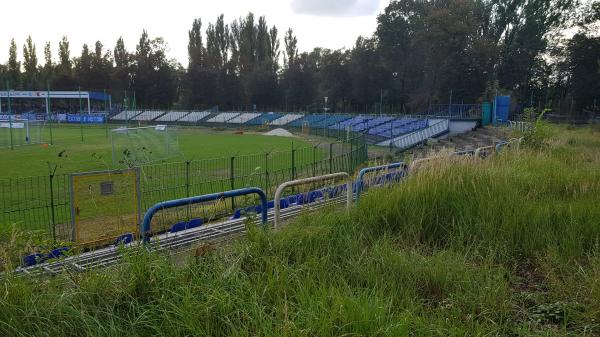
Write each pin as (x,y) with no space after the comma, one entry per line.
(371,124)
(195,116)
(308,119)
(126,115)
(149,115)
(352,122)
(330,120)
(243,118)
(172,116)
(398,127)
(223,117)
(286,119)
(265,118)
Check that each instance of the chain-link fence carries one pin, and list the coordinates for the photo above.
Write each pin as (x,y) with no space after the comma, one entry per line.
(43,203)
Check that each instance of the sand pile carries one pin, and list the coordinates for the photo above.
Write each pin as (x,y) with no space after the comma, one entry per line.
(279,132)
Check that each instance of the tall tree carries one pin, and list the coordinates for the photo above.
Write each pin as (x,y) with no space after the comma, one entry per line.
(13,68)
(64,69)
(48,69)
(30,64)
(155,77)
(121,72)
(83,68)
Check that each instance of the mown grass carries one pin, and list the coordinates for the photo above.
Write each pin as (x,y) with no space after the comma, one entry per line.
(508,246)
(70,154)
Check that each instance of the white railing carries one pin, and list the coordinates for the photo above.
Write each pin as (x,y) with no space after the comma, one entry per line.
(520,126)
(406,141)
(282,187)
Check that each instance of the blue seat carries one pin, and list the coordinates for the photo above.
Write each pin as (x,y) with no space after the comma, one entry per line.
(292,199)
(178,227)
(194,223)
(271,204)
(58,252)
(284,203)
(33,259)
(302,199)
(124,239)
(236,215)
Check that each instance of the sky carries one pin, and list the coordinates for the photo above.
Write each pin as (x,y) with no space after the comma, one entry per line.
(317,23)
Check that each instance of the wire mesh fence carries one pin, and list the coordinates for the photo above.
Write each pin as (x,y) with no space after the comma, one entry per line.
(43,203)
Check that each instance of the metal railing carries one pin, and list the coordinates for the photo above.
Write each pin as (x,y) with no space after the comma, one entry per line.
(145,229)
(363,172)
(520,126)
(409,140)
(282,187)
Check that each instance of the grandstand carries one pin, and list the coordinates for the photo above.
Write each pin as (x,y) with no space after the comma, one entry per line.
(126,115)
(376,128)
(148,115)
(330,120)
(243,118)
(172,116)
(195,116)
(265,118)
(286,119)
(223,117)
(310,120)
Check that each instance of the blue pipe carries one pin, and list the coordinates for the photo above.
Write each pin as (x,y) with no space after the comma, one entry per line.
(145,227)
(361,175)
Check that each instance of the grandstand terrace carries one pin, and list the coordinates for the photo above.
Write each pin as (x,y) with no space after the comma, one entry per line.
(172,116)
(195,116)
(286,119)
(223,117)
(243,118)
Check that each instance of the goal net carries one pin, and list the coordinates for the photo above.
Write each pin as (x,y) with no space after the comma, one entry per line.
(134,146)
(21,132)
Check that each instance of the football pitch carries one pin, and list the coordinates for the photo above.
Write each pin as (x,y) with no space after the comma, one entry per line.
(69,153)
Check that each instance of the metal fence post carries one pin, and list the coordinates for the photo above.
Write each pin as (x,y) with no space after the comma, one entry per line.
(52,214)
(330,158)
(314,166)
(351,157)
(187,178)
(267,174)
(232,180)
(293,163)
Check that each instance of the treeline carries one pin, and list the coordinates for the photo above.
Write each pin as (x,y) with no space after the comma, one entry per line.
(422,53)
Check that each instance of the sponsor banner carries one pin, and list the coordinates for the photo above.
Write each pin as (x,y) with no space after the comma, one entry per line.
(87,119)
(44,94)
(14,125)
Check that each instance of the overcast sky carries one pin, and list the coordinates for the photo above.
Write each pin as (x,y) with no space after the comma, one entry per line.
(317,23)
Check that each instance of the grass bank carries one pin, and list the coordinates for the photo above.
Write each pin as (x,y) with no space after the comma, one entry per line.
(507,246)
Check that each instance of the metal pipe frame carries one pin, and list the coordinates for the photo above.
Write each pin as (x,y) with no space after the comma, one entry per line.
(481,149)
(282,187)
(145,229)
(363,172)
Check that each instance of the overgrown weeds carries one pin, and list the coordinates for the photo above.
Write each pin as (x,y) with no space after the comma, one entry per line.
(505,246)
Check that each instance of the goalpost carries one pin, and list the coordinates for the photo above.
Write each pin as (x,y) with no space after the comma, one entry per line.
(19,132)
(142,145)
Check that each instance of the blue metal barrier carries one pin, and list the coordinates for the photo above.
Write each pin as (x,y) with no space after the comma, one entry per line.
(145,227)
(363,172)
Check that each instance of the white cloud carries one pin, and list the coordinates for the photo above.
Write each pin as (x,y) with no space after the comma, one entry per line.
(336,8)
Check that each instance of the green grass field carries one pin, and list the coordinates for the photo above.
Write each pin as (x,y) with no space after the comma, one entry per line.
(508,246)
(95,152)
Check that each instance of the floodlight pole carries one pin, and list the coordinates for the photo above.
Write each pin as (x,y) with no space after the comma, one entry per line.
(9,117)
(106,116)
(48,110)
(80,114)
